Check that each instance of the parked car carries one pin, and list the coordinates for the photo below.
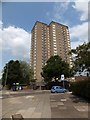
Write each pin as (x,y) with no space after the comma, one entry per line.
(58,89)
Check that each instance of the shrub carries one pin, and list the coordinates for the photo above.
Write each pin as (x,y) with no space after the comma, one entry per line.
(81,88)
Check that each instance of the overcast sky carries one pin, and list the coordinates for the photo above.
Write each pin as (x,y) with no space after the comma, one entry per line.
(18,18)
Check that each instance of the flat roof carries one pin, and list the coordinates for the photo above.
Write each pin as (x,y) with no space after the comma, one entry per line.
(58,23)
(38,22)
(47,24)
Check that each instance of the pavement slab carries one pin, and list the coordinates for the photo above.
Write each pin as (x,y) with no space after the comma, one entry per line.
(44,105)
(68,108)
(82,108)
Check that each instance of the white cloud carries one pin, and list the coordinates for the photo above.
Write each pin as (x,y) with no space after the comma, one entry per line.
(0,39)
(82,7)
(16,41)
(1,24)
(0,73)
(61,6)
(58,11)
(79,34)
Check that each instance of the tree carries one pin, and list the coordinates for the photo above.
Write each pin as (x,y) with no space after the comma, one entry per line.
(54,68)
(11,73)
(16,72)
(27,72)
(82,57)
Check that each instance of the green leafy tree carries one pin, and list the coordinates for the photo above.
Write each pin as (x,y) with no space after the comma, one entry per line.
(12,73)
(4,75)
(54,68)
(27,72)
(82,57)
(16,72)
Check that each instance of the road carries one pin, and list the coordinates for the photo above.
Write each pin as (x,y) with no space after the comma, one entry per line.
(43,104)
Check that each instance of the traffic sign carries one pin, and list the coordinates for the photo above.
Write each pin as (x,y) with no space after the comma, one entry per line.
(62,77)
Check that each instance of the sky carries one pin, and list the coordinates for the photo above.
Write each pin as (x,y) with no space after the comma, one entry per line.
(18,18)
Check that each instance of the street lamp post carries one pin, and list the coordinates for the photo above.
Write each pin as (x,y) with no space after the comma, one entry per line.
(6,75)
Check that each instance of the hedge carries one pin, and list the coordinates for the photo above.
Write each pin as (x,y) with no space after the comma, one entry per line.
(81,88)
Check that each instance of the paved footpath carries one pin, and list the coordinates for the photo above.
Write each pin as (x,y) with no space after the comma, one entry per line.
(30,106)
(68,106)
(43,104)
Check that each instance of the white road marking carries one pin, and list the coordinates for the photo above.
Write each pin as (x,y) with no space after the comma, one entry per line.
(29,97)
(1,97)
(81,108)
(60,103)
(63,100)
(69,92)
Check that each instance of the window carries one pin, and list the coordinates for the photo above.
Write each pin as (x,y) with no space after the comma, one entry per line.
(54,37)
(54,40)
(54,43)
(34,57)
(34,61)
(55,48)
(34,64)
(53,25)
(35,44)
(35,29)
(55,53)
(34,68)
(54,30)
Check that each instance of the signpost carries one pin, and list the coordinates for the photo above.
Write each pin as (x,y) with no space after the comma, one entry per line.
(62,78)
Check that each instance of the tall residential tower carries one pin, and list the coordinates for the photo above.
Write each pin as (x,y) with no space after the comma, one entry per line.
(47,41)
